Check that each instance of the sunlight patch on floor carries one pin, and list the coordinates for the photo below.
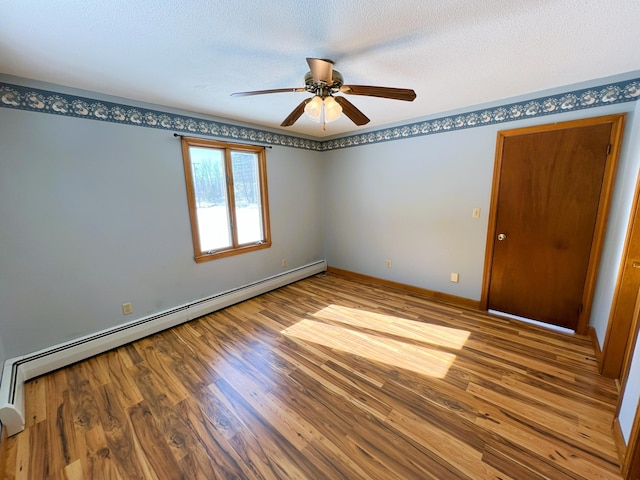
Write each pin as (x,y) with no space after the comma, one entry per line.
(395,353)
(401,327)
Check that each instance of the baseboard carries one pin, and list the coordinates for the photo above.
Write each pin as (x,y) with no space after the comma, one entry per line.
(430,294)
(591,333)
(20,369)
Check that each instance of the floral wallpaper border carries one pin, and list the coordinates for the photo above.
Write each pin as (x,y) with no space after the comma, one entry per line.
(36,100)
(620,92)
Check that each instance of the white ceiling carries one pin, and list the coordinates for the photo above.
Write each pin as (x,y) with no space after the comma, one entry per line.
(193,54)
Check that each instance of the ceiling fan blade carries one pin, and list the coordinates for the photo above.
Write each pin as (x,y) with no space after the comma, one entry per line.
(321,69)
(382,92)
(262,92)
(350,110)
(295,115)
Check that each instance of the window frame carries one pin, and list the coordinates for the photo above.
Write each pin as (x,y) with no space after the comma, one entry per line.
(236,248)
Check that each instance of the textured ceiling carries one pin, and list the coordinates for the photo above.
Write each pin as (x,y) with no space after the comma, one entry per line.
(193,54)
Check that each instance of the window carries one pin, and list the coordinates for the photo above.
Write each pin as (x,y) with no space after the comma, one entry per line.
(227,194)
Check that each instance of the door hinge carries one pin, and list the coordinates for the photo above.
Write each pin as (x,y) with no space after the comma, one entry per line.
(580,308)
(608,149)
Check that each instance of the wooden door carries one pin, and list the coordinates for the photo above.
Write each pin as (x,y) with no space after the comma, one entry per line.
(551,193)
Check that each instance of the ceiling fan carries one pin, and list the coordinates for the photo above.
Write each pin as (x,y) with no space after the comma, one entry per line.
(324,82)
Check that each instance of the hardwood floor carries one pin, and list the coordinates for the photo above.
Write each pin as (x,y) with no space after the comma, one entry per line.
(327,378)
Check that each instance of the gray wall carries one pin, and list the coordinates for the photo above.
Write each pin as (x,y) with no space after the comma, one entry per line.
(95,214)
(410,202)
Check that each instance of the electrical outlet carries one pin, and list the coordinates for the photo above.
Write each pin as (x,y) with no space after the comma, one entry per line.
(127,309)
(388,263)
(284,262)
(455,277)
(475,213)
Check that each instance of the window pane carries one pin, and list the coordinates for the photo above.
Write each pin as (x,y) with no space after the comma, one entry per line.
(212,204)
(246,190)
(226,222)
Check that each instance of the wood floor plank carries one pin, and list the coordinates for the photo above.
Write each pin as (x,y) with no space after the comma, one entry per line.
(283,457)
(41,466)
(37,409)
(85,412)
(591,396)
(201,461)
(176,434)
(521,465)
(157,452)
(73,471)
(571,461)
(23,453)
(329,377)
(117,431)
(591,416)
(343,460)
(287,422)
(406,458)
(118,365)
(459,454)
(221,439)
(154,369)
(100,464)
(64,441)
(8,452)
(541,419)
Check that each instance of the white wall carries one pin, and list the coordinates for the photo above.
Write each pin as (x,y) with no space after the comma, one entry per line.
(94,214)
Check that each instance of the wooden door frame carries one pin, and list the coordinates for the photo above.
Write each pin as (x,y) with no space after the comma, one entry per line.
(611,365)
(617,128)
(631,463)
(630,453)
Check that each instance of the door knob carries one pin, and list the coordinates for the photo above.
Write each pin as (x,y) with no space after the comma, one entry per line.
(502,236)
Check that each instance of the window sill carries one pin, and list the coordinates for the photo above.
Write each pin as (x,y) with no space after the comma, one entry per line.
(207,257)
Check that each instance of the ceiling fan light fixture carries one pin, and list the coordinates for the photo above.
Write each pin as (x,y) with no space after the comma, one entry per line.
(332,109)
(323,82)
(313,108)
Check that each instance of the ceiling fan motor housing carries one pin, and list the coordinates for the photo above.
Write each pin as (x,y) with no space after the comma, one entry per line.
(323,89)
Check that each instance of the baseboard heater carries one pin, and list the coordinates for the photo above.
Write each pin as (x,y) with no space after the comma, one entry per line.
(20,369)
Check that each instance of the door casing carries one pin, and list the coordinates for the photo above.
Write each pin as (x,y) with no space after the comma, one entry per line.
(616,349)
